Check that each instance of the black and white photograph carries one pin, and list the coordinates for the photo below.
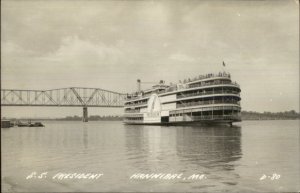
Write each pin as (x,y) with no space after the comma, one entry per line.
(150,96)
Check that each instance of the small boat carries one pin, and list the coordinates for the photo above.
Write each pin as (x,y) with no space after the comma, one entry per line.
(36,124)
(29,124)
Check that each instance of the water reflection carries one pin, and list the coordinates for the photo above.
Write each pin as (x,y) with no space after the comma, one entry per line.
(135,139)
(85,137)
(179,148)
(137,146)
(52,137)
(210,147)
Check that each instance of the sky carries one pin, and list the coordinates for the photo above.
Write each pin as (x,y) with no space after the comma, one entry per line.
(110,44)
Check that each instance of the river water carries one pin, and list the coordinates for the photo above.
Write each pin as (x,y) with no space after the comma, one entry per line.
(253,156)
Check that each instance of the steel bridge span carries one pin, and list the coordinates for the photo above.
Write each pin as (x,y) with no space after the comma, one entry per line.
(63,97)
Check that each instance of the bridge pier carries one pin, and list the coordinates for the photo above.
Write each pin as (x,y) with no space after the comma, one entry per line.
(85,114)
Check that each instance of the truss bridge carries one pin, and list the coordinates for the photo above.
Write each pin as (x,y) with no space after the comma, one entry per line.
(63,97)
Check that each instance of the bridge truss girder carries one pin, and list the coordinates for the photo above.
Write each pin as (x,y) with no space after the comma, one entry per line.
(74,97)
(64,97)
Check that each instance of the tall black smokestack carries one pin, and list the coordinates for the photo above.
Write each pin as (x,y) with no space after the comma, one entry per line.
(138,85)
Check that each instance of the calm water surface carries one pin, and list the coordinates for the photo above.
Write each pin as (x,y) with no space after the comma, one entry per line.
(232,159)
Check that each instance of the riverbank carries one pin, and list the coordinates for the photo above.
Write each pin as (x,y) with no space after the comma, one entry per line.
(287,115)
(246,115)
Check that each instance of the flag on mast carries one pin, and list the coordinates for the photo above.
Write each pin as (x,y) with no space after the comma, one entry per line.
(223,63)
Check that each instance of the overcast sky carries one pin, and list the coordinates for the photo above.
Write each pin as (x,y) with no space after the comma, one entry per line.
(109,44)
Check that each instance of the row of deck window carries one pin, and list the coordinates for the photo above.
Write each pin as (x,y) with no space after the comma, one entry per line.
(132,110)
(215,108)
(217,100)
(208,83)
(209,91)
(134,118)
(142,102)
(204,113)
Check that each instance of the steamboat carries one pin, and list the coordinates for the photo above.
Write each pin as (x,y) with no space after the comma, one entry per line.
(206,99)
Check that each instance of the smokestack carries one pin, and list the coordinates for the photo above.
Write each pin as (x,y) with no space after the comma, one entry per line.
(138,85)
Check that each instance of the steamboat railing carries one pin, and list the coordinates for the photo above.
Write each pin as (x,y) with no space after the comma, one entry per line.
(207,93)
(188,104)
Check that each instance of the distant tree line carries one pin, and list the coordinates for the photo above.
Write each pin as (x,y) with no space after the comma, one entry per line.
(251,115)
(246,115)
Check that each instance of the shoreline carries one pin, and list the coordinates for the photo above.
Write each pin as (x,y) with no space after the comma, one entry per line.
(33,119)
